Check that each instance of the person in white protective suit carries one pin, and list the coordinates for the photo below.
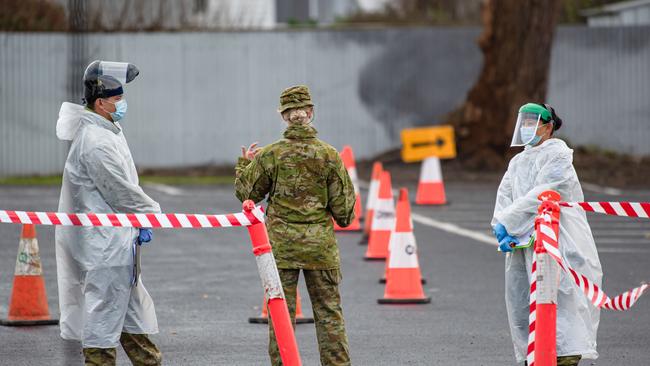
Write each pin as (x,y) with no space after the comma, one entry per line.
(545,164)
(102,299)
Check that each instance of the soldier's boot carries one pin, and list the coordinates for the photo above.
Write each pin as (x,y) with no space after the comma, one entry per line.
(99,356)
(289,279)
(565,361)
(323,288)
(568,360)
(141,350)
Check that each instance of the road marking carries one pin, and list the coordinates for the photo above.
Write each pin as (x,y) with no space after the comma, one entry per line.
(454,229)
(600,189)
(445,226)
(172,191)
(616,241)
(622,250)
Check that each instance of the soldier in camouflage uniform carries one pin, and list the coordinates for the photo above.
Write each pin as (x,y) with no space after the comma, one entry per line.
(138,347)
(307,185)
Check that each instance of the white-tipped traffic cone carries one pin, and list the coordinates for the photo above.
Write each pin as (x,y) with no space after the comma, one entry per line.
(373,193)
(383,221)
(348,161)
(403,197)
(431,189)
(403,280)
(264,317)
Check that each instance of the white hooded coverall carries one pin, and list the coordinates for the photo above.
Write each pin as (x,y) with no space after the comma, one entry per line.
(548,166)
(95,264)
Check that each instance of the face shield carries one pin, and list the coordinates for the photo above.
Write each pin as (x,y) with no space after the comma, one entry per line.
(525,128)
(104,79)
(124,72)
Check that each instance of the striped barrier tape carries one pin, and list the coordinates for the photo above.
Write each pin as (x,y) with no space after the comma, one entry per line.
(596,296)
(629,209)
(532,317)
(173,220)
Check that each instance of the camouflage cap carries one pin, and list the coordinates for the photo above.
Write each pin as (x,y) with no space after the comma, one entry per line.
(295,97)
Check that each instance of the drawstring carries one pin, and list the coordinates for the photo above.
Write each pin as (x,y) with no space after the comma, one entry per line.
(135,251)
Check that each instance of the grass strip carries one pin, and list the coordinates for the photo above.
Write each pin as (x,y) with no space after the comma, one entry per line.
(55,180)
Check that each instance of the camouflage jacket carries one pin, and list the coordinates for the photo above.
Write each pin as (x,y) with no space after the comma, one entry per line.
(307,186)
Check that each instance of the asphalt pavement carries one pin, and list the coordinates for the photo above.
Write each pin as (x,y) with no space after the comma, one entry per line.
(205,286)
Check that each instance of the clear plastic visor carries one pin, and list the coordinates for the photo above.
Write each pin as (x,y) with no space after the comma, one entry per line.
(525,128)
(115,69)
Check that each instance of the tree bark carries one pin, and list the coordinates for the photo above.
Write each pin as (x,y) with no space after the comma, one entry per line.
(516,44)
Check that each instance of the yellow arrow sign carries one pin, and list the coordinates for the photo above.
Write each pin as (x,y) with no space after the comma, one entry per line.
(421,143)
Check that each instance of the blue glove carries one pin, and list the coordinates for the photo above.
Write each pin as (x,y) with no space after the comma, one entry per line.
(500,231)
(145,236)
(504,244)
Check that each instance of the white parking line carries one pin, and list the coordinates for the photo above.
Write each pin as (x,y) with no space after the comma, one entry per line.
(454,229)
(172,191)
(622,250)
(446,226)
(600,189)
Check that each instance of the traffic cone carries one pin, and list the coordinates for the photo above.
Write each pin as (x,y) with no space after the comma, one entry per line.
(28,303)
(403,197)
(383,221)
(431,189)
(373,192)
(403,281)
(348,161)
(264,317)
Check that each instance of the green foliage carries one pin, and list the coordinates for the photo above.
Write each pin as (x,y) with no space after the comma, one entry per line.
(454,12)
(295,23)
(55,180)
(188,180)
(32,15)
(570,9)
(421,12)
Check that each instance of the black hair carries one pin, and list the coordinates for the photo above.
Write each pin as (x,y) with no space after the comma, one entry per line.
(557,121)
(103,86)
(90,102)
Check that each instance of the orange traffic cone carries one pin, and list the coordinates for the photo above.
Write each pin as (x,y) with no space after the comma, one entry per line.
(383,221)
(264,317)
(431,189)
(28,304)
(373,192)
(403,197)
(348,160)
(403,281)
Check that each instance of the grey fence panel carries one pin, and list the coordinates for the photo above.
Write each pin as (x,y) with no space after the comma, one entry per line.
(202,95)
(32,86)
(600,85)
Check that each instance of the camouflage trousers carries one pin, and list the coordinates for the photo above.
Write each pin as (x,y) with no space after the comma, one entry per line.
(139,348)
(323,288)
(566,361)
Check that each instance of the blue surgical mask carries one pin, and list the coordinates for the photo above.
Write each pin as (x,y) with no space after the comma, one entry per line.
(120,110)
(527,134)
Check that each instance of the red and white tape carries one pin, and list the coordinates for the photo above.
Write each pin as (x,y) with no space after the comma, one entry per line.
(595,295)
(629,209)
(173,220)
(532,316)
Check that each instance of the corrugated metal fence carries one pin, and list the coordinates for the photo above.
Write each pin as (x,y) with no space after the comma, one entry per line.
(202,95)
(600,84)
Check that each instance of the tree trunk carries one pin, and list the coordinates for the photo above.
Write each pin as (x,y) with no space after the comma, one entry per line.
(516,45)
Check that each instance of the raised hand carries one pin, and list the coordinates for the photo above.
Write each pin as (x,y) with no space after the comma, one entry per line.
(250,152)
